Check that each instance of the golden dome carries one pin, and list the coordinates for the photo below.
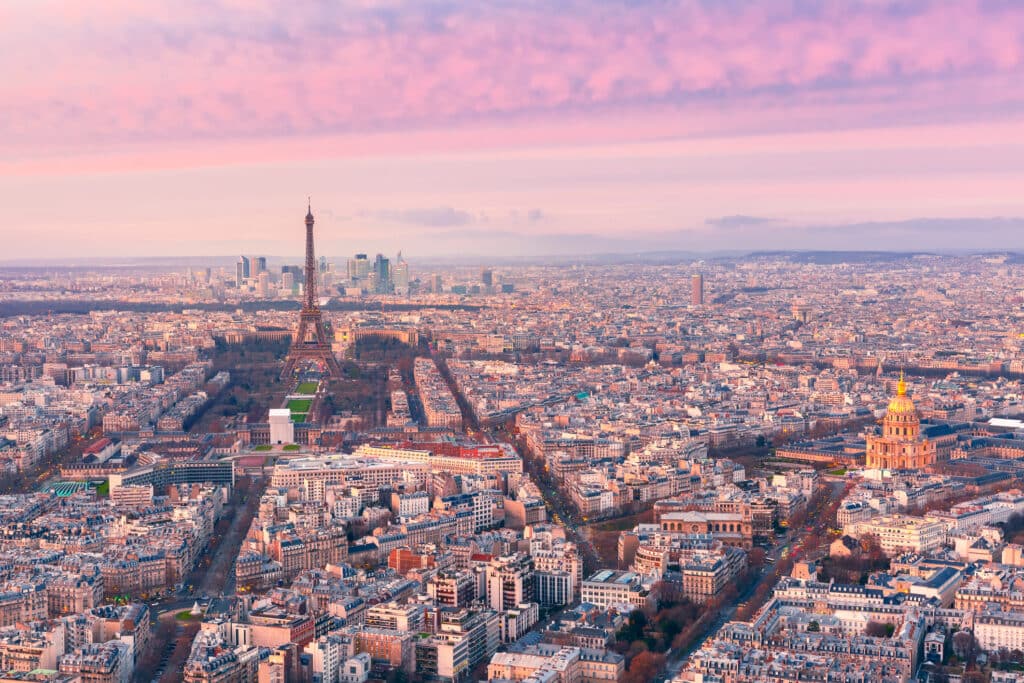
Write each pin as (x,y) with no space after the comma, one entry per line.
(901,403)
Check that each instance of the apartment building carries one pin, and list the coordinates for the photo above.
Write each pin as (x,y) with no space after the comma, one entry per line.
(900,533)
(608,587)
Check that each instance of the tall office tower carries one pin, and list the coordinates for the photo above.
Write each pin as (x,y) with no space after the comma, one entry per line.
(263,285)
(400,274)
(310,342)
(697,290)
(438,285)
(326,274)
(382,275)
(207,275)
(258,265)
(241,270)
(487,277)
(358,268)
(288,281)
(295,271)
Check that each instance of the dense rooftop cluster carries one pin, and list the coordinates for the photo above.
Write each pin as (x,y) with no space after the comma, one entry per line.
(561,473)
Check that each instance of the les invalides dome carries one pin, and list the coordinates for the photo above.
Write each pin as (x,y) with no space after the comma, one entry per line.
(901,446)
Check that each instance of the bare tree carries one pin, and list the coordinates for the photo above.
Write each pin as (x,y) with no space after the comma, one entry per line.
(965,646)
(878,629)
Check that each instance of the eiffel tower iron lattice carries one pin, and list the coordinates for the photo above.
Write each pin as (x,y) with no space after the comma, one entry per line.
(310,343)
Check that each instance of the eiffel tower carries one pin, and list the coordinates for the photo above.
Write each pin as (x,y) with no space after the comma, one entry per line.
(310,342)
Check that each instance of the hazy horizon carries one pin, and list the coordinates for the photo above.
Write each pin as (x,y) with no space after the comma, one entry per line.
(468,259)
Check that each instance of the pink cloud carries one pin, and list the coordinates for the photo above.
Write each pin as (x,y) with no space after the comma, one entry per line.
(82,78)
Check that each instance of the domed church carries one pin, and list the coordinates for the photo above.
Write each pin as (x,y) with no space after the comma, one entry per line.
(901,446)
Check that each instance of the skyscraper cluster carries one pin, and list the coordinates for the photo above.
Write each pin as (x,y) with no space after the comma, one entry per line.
(380,276)
(249,268)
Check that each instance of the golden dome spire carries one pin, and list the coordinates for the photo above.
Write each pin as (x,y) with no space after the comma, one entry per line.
(901,403)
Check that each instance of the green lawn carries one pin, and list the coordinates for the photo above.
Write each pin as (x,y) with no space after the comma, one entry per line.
(186,615)
(838,472)
(307,388)
(300,405)
(263,447)
(291,447)
(299,417)
(103,490)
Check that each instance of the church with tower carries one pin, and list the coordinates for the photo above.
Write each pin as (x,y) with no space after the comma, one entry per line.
(901,445)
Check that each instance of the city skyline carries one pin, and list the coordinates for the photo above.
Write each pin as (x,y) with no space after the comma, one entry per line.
(620,128)
(440,341)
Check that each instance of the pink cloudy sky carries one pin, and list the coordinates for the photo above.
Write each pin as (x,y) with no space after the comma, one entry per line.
(198,128)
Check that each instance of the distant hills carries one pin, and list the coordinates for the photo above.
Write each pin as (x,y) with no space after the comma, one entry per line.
(835,257)
(666,257)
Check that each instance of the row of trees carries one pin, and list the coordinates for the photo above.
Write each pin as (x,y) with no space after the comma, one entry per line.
(868,557)
(674,625)
(658,632)
(149,660)
(167,650)
(852,569)
(215,567)
(255,368)
(824,511)
(965,495)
